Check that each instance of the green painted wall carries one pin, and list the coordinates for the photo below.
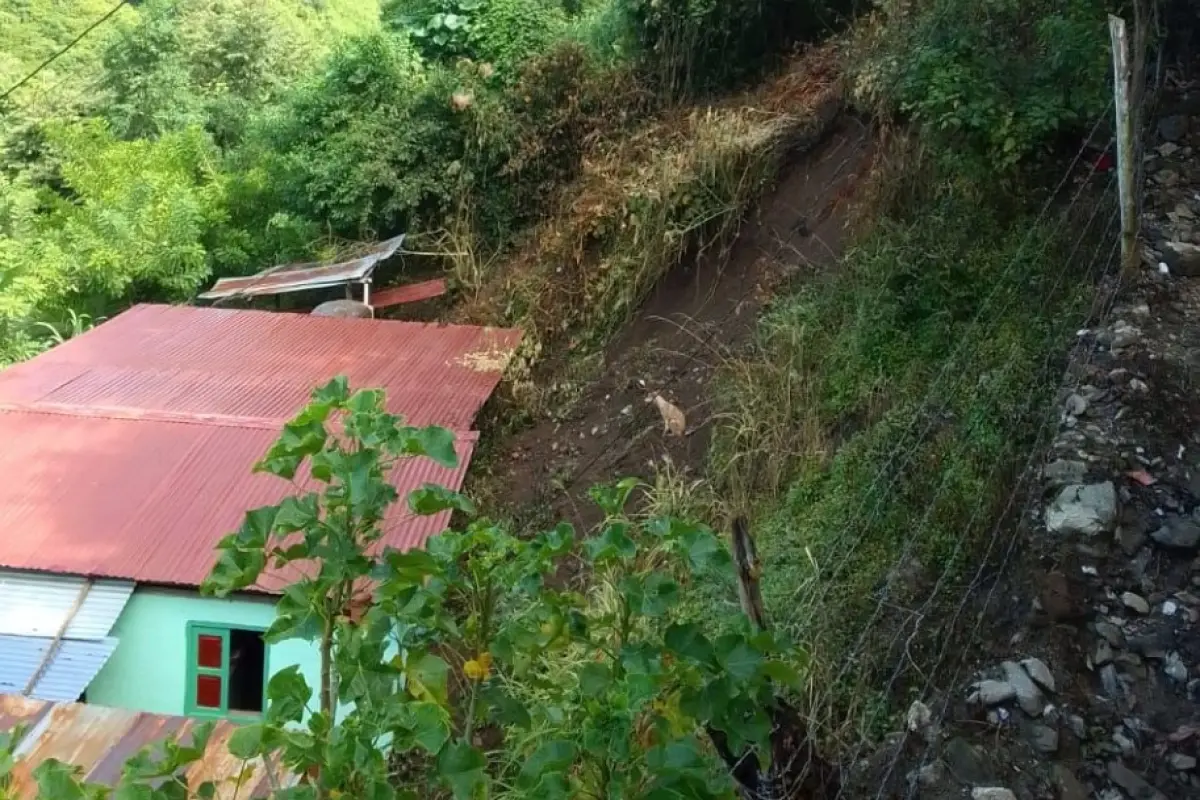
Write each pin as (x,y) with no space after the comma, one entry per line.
(148,670)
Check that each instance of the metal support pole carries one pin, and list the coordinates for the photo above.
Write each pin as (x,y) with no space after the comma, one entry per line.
(1126,162)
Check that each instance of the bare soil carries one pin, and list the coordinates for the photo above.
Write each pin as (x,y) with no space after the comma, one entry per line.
(675,343)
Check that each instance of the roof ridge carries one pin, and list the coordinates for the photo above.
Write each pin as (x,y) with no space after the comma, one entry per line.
(153,415)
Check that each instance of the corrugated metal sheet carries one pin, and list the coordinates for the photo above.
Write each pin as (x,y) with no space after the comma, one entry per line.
(128,450)
(147,500)
(412,293)
(37,604)
(301,277)
(99,740)
(189,361)
(73,667)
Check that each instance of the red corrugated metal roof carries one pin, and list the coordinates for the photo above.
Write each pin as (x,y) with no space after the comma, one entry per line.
(128,450)
(411,293)
(99,740)
(259,364)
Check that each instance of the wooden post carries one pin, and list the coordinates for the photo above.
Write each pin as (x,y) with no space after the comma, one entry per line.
(1126,166)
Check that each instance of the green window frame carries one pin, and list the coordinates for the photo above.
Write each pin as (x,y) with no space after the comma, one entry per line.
(196,631)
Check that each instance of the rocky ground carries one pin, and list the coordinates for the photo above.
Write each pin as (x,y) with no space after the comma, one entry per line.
(1086,682)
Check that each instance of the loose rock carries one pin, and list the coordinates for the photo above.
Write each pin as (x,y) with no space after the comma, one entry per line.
(1104,654)
(992,793)
(966,764)
(1062,472)
(1029,696)
(1083,509)
(1040,673)
(1045,739)
(1181,762)
(1135,602)
(1178,533)
(992,693)
(1076,405)
(1175,669)
(1111,633)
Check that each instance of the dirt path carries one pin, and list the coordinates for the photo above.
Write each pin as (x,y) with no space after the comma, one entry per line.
(674,344)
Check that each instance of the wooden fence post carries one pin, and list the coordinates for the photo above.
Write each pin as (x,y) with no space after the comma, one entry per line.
(1126,158)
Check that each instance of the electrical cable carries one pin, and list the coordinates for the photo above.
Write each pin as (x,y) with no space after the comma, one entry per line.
(64,50)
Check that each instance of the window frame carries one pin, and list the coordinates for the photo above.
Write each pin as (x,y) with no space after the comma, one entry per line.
(223,630)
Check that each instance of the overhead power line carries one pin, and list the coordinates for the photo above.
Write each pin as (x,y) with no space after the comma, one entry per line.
(63,51)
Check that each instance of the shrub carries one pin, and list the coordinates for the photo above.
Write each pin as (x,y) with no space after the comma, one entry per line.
(701,45)
(369,145)
(994,81)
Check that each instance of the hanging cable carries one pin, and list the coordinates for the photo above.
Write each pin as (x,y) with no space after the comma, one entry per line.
(63,51)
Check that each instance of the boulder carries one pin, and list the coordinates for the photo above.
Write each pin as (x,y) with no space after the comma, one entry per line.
(1086,509)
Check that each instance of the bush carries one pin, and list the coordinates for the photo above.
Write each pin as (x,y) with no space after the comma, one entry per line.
(132,220)
(993,81)
(693,46)
(370,145)
(499,32)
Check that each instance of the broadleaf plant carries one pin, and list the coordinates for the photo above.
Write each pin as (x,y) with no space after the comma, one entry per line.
(486,664)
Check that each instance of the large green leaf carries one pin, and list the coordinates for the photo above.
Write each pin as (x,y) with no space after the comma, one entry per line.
(426,677)
(288,694)
(550,759)
(688,641)
(432,499)
(461,767)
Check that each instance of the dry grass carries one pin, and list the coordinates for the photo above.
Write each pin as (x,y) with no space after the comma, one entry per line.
(676,188)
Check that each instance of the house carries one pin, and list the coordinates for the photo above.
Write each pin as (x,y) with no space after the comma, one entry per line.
(127,454)
(99,740)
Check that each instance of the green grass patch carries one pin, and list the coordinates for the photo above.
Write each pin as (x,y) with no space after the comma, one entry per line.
(879,420)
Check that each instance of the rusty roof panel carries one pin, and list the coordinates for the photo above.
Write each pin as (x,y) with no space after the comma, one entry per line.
(128,450)
(301,277)
(147,500)
(410,293)
(99,740)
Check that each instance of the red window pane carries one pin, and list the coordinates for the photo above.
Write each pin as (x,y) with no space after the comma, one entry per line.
(208,691)
(208,652)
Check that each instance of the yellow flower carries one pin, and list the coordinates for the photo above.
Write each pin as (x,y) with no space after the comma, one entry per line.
(478,667)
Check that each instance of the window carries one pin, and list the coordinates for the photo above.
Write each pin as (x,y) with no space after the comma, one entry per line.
(226,670)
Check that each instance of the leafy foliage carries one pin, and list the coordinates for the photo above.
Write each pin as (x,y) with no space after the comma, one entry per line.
(997,81)
(470,666)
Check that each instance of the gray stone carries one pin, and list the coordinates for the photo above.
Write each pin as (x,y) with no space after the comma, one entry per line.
(1077,726)
(1126,745)
(1181,762)
(1133,784)
(1045,739)
(1178,533)
(1083,509)
(1175,669)
(1182,258)
(1040,673)
(1110,633)
(1135,602)
(966,764)
(1110,681)
(928,776)
(992,693)
(1173,128)
(992,793)
(343,308)
(1104,654)
(1076,405)
(1062,472)
(1029,696)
